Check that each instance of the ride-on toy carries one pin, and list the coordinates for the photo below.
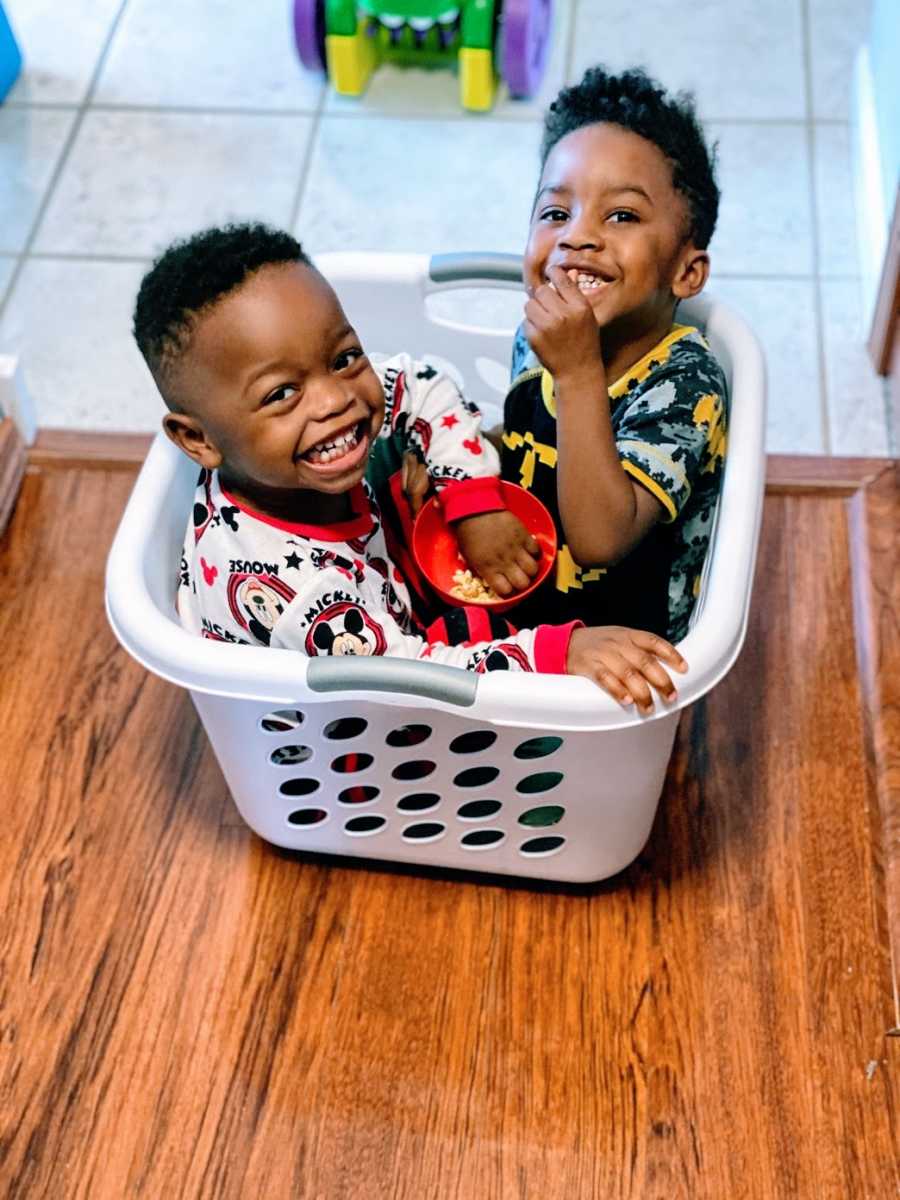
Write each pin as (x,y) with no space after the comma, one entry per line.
(348,38)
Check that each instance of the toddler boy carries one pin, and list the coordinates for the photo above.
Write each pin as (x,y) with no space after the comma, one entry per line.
(270,392)
(615,416)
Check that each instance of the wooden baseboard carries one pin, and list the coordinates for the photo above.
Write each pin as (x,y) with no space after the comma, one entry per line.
(76,448)
(112,451)
(798,473)
(12,468)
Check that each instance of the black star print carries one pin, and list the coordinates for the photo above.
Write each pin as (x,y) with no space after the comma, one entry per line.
(292,560)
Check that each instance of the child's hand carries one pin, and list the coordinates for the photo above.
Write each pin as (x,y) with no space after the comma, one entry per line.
(415,481)
(561,327)
(499,548)
(624,662)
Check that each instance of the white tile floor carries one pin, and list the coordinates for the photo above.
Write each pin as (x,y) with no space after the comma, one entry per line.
(138,120)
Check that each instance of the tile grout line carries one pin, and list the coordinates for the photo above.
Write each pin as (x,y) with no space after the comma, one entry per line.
(368,114)
(313,138)
(570,49)
(730,276)
(814,213)
(63,158)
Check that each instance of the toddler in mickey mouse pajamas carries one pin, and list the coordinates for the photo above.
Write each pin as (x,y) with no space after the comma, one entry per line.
(299,532)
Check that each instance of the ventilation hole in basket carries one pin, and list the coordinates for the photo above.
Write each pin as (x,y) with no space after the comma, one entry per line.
(471,743)
(413,770)
(307,816)
(345,764)
(289,756)
(541,845)
(360,826)
(478,810)
(298,787)
(282,721)
(542,782)
(425,831)
(538,747)
(345,727)
(540,818)
(476,776)
(408,735)
(482,839)
(419,802)
(360,794)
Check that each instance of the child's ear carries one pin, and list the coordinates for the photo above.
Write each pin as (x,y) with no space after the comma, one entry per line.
(189,435)
(691,274)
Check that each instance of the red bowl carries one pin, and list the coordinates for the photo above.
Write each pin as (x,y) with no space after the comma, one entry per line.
(437,554)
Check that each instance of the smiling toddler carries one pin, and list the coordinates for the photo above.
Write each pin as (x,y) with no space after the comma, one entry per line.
(301,442)
(615,417)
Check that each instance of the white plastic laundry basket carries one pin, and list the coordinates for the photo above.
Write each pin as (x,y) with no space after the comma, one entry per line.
(530,775)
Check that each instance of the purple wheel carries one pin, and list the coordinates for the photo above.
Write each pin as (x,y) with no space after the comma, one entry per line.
(525,42)
(309,33)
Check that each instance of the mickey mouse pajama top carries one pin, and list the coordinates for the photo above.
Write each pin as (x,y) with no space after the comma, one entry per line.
(249,578)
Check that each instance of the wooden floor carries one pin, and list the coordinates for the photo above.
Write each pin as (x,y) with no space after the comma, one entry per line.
(186,1012)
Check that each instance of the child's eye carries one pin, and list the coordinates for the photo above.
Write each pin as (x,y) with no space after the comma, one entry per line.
(347,357)
(554,214)
(622,214)
(285,392)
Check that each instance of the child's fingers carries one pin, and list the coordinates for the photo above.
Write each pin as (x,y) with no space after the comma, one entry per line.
(547,303)
(631,677)
(510,577)
(561,281)
(611,683)
(538,316)
(660,647)
(567,291)
(419,490)
(519,578)
(650,668)
(527,563)
(416,498)
(498,581)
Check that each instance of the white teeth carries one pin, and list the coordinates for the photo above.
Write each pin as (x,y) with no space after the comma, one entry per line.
(324,452)
(585,281)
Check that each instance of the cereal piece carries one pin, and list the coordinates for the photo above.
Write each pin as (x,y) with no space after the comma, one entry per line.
(472,588)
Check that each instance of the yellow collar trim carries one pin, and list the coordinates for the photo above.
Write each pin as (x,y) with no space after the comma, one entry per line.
(638,372)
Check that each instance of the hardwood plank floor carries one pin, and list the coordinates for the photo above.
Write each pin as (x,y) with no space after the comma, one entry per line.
(187,1012)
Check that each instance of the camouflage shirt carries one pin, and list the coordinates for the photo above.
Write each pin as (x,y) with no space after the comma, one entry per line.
(668,417)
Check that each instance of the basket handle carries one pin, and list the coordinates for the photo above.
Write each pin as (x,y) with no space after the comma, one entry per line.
(431,681)
(474,267)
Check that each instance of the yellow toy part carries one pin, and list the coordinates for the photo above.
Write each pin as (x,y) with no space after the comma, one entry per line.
(351,60)
(477,82)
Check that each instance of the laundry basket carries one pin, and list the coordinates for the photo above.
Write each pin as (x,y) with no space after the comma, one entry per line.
(529,775)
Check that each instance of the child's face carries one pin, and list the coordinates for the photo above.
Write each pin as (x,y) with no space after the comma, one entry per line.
(276,381)
(607,213)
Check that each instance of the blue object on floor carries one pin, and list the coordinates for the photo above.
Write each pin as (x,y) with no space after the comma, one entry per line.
(10,56)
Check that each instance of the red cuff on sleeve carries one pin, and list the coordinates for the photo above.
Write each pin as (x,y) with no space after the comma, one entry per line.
(551,647)
(471,497)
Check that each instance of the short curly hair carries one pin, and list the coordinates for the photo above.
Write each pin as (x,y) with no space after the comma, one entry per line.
(194,274)
(636,102)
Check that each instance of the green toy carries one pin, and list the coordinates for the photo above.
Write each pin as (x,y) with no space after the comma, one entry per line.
(486,38)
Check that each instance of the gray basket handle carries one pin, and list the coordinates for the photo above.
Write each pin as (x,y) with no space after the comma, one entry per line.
(475,267)
(347,673)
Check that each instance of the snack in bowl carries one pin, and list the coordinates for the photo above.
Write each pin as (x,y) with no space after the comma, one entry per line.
(472,589)
(436,552)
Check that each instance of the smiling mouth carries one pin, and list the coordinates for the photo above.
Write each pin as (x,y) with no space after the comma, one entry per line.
(341,451)
(587,281)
